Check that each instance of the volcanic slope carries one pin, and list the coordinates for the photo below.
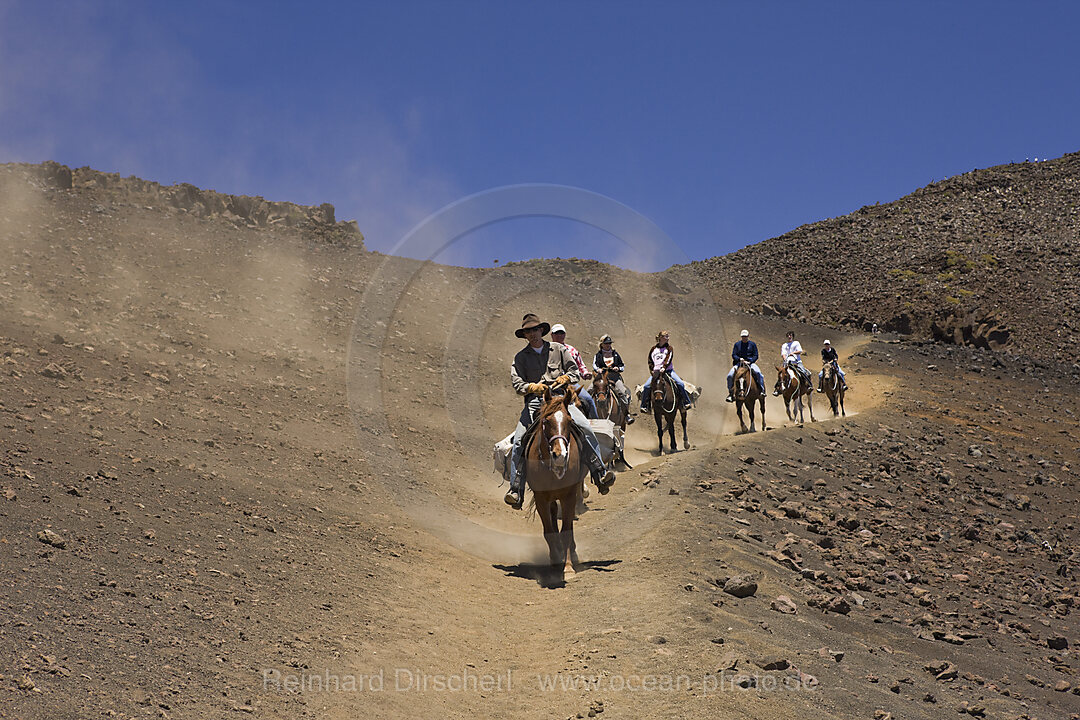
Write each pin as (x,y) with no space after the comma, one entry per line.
(988,258)
(240,456)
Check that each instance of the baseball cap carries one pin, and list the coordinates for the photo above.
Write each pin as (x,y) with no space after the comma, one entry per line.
(557,327)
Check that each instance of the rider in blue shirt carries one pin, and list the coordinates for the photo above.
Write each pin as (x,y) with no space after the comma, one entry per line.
(745,349)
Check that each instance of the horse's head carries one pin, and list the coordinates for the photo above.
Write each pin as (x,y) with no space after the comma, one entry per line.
(781,379)
(600,387)
(555,430)
(829,371)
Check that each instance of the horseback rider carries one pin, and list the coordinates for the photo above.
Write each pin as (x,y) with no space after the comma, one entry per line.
(661,358)
(608,358)
(791,352)
(745,349)
(538,365)
(828,355)
(558,334)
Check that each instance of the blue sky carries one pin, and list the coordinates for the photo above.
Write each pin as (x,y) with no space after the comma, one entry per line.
(723,123)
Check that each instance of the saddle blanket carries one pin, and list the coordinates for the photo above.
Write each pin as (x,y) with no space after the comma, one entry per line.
(607,434)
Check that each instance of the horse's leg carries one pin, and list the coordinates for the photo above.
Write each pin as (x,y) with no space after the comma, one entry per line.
(842,402)
(810,402)
(569,546)
(763,426)
(738,411)
(671,431)
(685,440)
(659,429)
(545,508)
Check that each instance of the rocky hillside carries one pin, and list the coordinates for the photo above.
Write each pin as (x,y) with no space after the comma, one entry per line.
(987,258)
(240,210)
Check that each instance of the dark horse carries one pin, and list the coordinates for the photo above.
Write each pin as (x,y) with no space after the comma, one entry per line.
(746,392)
(665,403)
(791,384)
(555,472)
(608,404)
(833,387)
(610,407)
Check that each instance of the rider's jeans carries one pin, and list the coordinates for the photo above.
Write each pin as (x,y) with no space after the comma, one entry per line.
(586,400)
(678,382)
(532,406)
(753,368)
(843,377)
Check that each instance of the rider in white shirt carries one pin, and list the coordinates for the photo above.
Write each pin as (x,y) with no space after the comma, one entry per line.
(791,352)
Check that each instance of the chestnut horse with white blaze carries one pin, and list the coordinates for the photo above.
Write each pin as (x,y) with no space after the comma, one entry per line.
(746,392)
(792,387)
(555,471)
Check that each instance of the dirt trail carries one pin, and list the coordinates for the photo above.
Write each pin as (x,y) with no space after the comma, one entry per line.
(481,596)
(263,458)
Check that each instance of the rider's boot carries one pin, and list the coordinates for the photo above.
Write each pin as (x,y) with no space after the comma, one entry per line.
(515,496)
(601,476)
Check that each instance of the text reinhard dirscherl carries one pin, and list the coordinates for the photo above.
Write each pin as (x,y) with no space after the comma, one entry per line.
(469,680)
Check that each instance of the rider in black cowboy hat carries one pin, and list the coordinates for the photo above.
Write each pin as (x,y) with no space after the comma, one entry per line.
(539,364)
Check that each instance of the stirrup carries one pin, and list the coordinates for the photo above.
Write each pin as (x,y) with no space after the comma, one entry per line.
(513,498)
(604,480)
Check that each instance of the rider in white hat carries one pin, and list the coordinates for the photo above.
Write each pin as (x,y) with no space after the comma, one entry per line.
(558,334)
(745,349)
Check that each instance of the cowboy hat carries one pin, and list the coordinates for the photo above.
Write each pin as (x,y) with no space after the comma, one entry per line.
(605,339)
(529,322)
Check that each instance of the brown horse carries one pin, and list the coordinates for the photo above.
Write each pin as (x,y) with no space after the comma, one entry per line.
(746,391)
(665,404)
(609,406)
(793,387)
(833,387)
(555,472)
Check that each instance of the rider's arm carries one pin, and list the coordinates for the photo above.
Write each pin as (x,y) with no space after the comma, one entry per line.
(519,383)
(570,367)
(616,362)
(596,361)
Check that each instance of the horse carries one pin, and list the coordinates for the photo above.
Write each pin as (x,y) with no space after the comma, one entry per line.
(610,407)
(833,387)
(608,404)
(746,392)
(665,403)
(792,386)
(555,472)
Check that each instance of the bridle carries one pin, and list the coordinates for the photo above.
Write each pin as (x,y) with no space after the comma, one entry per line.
(665,376)
(547,463)
(741,385)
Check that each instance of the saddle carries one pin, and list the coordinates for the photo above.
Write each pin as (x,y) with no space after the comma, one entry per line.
(803,374)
